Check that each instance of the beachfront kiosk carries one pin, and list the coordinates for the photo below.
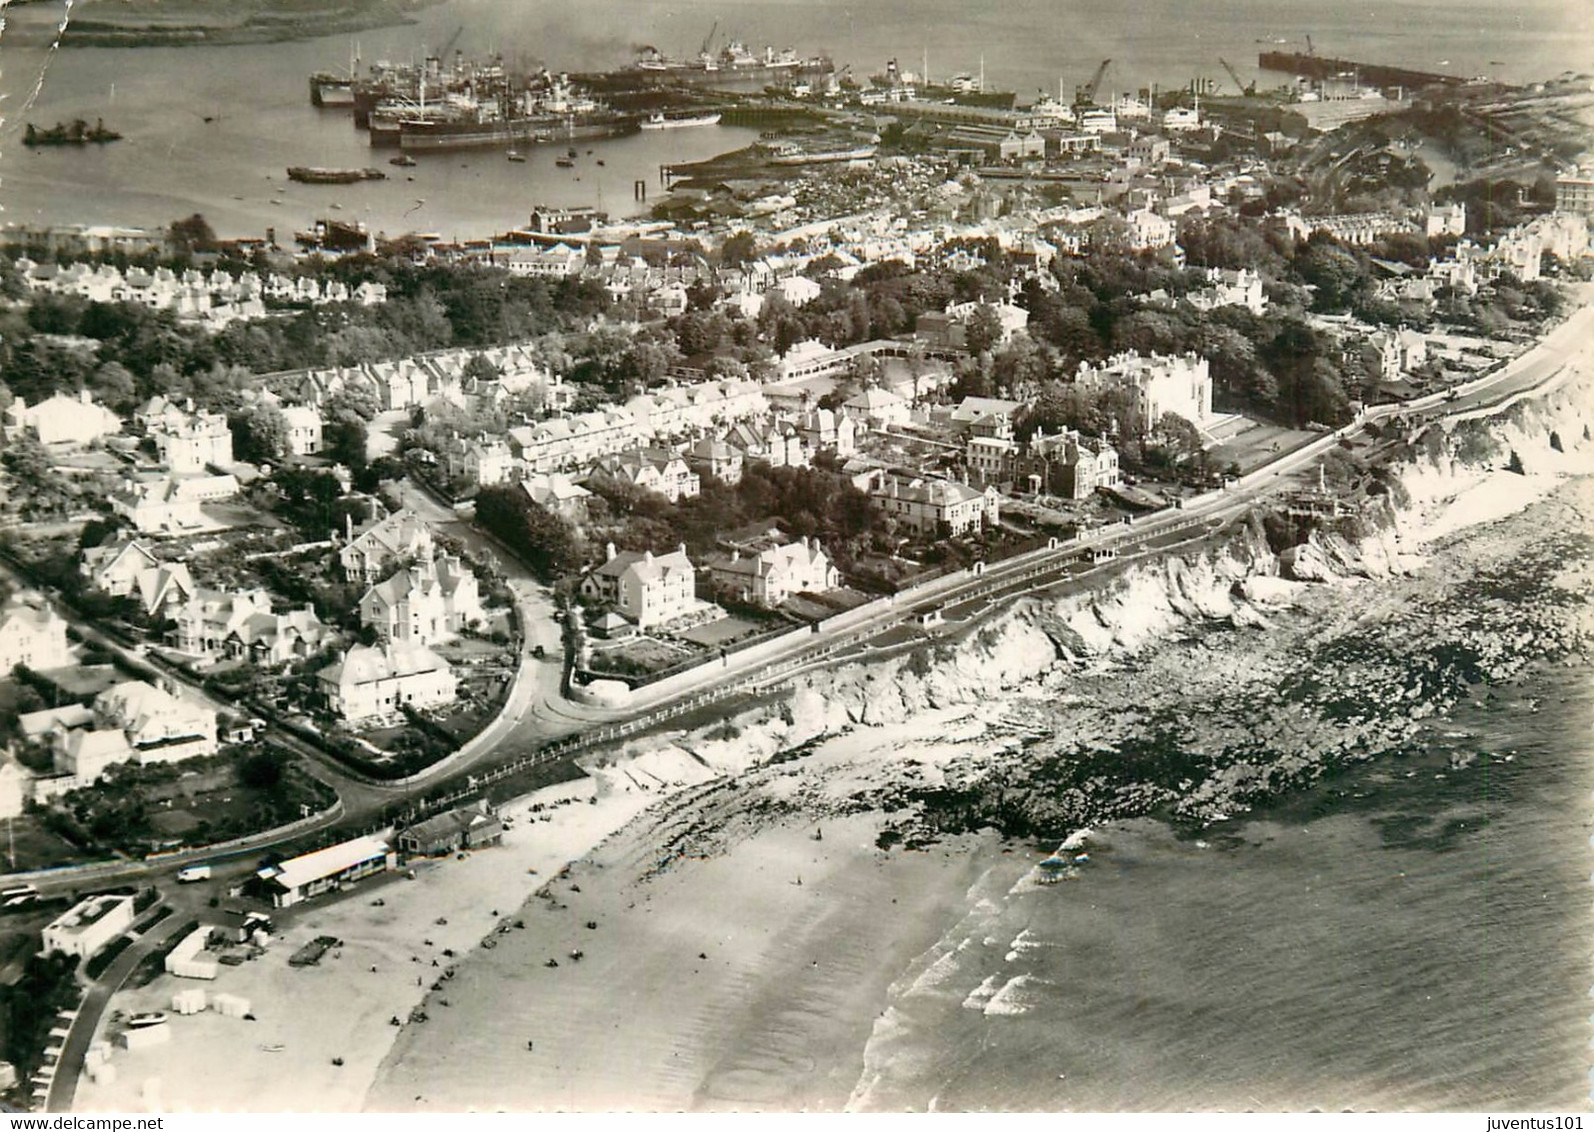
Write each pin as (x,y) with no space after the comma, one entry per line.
(325,870)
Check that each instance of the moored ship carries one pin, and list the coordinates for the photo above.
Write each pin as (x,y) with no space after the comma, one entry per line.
(661,121)
(429,133)
(77,132)
(788,154)
(733,64)
(313,175)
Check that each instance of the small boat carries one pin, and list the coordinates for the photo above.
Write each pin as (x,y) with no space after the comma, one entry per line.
(274,1047)
(571,152)
(403,161)
(515,155)
(141,1021)
(564,163)
(600,161)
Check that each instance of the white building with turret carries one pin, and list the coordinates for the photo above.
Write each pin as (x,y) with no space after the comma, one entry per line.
(1180,384)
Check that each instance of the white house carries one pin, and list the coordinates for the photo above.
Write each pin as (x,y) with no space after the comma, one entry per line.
(1179,384)
(717,458)
(655,470)
(304,429)
(380,545)
(936,507)
(60,419)
(209,618)
(373,682)
(878,408)
(159,726)
(171,505)
(648,589)
(559,494)
(189,445)
(484,461)
(1149,230)
(426,604)
(773,575)
(32,633)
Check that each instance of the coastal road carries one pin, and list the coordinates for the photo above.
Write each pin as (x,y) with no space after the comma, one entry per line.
(537,712)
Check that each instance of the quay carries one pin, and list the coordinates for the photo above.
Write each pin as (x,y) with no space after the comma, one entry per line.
(1374,74)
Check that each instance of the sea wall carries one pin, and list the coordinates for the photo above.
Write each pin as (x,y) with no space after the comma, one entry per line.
(1197,683)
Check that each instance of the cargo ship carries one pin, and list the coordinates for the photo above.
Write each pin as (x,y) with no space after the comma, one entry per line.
(431,133)
(662,121)
(77,132)
(493,116)
(790,154)
(312,175)
(735,64)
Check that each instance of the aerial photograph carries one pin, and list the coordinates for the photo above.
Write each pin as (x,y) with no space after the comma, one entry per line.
(796,556)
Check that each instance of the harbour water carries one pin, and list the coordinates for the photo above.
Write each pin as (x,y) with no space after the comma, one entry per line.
(212,129)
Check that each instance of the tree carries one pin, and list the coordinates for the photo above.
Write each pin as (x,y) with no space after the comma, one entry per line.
(983,330)
(344,439)
(356,399)
(543,540)
(192,234)
(114,385)
(260,434)
(1336,273)
(262,771)
(738,249)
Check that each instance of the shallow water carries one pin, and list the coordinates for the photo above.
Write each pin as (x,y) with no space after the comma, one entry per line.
(1402,935)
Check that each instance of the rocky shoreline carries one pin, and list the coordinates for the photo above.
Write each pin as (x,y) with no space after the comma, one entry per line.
(749,924)
(1197,686)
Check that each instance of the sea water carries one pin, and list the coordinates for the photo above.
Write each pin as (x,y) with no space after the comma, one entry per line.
(1409,934)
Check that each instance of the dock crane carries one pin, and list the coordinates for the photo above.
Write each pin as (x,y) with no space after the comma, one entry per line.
(442,52)
(708,40)
(1243,88)
(1085,95)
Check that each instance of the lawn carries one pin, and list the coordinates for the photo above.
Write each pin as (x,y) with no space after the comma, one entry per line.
(638,656)
(31,845)
(1255,446)
(712,634)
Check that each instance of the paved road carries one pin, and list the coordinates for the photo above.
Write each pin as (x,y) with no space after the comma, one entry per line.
(537,712)
(70,1065)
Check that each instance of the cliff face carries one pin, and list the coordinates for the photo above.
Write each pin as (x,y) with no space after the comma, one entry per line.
(1202,681)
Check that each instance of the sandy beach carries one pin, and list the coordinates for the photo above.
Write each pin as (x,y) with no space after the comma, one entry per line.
(741,953)
(342,1008)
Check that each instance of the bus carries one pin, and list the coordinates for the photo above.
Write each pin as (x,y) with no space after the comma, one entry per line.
(19,896)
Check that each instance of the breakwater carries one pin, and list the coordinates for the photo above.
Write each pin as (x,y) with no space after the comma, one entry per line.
(1374,74)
